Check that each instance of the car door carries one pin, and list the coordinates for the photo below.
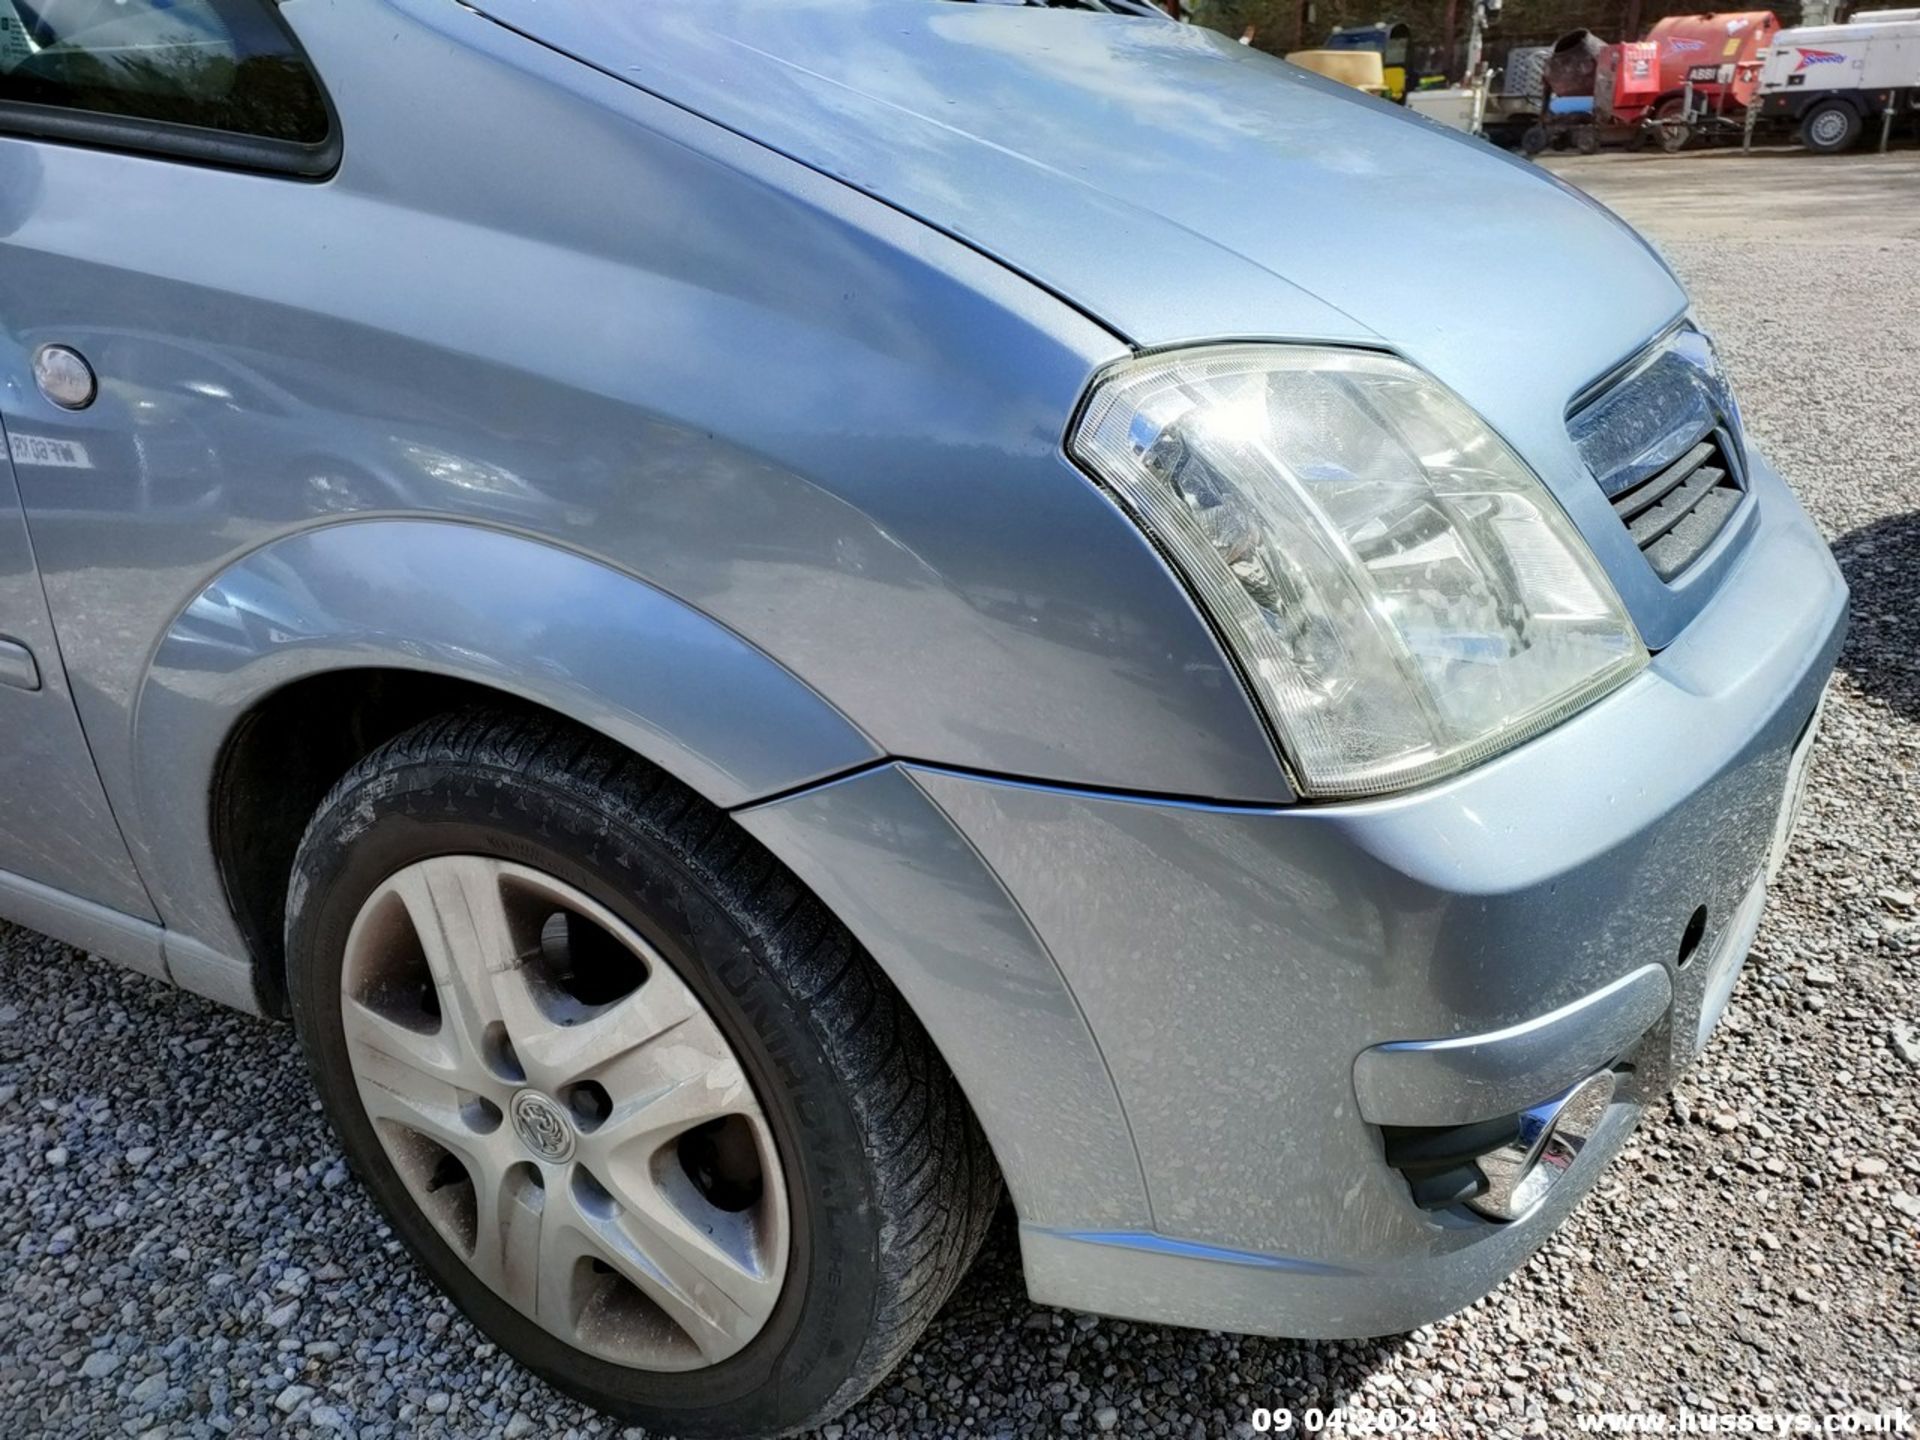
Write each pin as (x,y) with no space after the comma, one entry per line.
(56,829)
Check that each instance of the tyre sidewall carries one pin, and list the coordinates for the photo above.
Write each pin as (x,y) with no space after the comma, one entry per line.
(1849,131)
(826,1308)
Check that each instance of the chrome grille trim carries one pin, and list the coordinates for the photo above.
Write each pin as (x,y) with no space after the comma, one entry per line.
(1663,443)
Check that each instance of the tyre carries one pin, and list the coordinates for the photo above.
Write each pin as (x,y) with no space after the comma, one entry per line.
(1587,140)
(1508,135)
(1830,127)
(632,1097)
(1534,139)
(1672,131)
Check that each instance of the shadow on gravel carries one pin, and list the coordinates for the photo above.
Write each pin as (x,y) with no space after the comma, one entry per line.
(1882,564)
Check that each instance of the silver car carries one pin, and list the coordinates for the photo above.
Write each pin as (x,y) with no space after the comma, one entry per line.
(770,620)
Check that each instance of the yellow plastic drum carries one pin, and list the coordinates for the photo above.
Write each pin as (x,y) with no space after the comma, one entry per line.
(1362,69)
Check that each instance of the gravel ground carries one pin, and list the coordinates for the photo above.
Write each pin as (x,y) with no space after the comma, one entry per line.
(181,1252)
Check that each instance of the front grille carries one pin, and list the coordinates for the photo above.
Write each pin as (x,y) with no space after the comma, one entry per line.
(1662,440)
(1673,516)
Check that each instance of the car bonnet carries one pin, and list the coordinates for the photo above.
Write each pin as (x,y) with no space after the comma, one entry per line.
(1169,183)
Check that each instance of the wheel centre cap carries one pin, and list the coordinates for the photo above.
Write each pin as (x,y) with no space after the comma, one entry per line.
(542,1126)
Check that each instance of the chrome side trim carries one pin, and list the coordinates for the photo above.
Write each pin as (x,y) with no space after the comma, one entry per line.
(1464,1078)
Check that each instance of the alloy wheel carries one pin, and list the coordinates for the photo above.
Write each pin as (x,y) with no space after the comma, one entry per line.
(565,1112)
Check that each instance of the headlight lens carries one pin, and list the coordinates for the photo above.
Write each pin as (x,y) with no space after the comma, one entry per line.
(1404,595)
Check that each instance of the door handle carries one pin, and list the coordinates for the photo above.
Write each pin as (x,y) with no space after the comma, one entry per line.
(17,666)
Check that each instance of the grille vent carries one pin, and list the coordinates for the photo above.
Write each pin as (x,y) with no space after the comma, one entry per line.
(1674,515)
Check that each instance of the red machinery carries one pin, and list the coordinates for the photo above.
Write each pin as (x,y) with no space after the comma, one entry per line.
(1692,72)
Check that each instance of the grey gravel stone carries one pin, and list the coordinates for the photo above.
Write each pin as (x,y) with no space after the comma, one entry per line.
(1906,1044)
(100,1364)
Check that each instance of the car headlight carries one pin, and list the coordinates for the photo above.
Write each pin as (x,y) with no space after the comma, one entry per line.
(1403,594)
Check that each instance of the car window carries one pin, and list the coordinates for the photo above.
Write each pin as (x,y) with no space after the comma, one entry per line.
(210,79)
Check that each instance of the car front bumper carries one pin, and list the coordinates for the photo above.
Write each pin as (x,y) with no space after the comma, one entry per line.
(1184,1025)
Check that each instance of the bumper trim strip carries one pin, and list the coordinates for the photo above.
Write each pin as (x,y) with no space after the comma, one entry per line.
(1191,1250)
(1464,1078)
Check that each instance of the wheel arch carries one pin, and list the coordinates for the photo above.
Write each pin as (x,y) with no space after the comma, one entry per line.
(300,657)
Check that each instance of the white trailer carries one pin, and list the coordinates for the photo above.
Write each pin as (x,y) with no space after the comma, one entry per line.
(1832,80)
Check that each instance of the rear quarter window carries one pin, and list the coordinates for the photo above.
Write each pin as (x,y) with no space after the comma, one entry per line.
(218,81)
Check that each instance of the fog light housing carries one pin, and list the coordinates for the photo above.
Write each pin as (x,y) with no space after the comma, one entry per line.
(1520,1173)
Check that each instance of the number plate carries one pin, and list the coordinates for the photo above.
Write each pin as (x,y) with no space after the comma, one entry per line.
(1796,792)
